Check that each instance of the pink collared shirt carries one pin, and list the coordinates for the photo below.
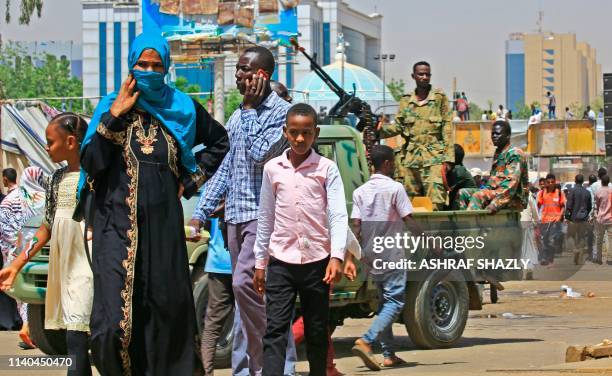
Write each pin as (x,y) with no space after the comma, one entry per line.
(302,212)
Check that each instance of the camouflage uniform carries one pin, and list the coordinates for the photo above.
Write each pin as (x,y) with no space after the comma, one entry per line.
(507,186)
(427,132)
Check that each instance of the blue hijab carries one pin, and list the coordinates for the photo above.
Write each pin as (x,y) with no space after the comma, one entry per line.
(172,107)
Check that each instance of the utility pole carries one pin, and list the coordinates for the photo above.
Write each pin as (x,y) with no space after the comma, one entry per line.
(341,49)
(383,58)
(219,73)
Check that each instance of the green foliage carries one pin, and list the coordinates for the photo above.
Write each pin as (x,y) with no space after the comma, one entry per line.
(183,85)
(51,77)
(231,102)
(396,88)
(232,98)
(27,8)
(475,111)
(523,111)
(577,109)
(597,104)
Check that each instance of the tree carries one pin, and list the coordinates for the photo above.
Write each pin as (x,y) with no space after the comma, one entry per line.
(577,109)
(522,111)
(25,76)
(475,111)
(183,85)
(396,88)
(27,8)
(597,104)
(231,99)
(231,102)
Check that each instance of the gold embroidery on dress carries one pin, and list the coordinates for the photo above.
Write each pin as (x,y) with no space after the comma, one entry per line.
(115,137)
(130,261)
(172,152)
(198,177)
(146,139)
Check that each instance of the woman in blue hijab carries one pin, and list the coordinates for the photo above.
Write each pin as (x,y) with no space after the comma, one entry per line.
(138,151)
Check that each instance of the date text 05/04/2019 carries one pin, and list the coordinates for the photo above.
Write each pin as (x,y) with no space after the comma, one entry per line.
(450,264)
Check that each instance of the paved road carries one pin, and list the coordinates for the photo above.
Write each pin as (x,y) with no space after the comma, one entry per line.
(532,342)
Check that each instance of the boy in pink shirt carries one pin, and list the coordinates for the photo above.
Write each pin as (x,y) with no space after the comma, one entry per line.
(301,238)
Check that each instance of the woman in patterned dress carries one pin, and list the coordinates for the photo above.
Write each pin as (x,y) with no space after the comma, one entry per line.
(139,154)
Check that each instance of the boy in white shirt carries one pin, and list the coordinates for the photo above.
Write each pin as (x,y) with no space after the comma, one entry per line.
(381,206)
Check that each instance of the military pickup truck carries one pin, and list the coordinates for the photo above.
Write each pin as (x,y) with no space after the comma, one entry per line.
(438,300)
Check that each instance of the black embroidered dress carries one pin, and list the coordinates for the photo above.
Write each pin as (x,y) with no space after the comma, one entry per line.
(143,318)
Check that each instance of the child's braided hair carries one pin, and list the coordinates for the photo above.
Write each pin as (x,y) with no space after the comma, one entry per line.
(71,123)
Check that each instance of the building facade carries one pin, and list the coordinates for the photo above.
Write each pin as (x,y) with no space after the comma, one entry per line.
(109,27)
(321,22)
(542,62)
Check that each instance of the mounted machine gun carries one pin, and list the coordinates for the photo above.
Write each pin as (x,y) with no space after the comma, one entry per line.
(347,103)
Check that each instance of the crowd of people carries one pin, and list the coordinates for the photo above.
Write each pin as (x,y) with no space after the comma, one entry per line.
(118,279)
(579,217)
(461,111)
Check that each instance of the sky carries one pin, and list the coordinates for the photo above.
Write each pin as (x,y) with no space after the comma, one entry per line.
(466,39)
(463,39)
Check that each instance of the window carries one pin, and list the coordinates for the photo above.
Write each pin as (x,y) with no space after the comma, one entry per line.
(327,150)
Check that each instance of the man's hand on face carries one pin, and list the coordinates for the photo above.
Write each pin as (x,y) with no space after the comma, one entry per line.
(254,92)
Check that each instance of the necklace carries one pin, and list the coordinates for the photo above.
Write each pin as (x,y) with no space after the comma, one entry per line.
(146,139)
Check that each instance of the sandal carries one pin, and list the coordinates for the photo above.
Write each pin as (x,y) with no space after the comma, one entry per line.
(27,342)
(365,354)
(394,361)
(24,346)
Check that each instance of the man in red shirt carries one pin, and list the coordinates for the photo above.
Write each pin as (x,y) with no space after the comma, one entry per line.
(551,202)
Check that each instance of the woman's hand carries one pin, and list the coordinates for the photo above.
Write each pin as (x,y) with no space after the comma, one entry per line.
(126,98)
(7,277)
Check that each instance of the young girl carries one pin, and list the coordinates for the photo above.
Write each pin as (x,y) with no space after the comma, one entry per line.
(16,209)
(70,281)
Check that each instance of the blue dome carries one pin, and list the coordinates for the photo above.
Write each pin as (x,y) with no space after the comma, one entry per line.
(367,85)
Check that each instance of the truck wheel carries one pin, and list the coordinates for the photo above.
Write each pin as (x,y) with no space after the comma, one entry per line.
(223,356)
(436,309)
(51,342)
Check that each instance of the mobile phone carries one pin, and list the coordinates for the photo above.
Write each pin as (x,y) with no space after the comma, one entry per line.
(263,73)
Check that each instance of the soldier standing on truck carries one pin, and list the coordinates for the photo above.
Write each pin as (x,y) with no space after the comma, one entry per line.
(424,122)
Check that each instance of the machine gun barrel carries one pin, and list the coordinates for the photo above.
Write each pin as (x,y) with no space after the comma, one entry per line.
(337,89)
(346,103)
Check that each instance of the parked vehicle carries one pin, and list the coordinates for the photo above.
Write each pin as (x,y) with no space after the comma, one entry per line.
(438,301)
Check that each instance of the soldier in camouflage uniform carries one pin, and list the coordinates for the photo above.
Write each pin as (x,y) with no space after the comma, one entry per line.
(424,122)
(508,185)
